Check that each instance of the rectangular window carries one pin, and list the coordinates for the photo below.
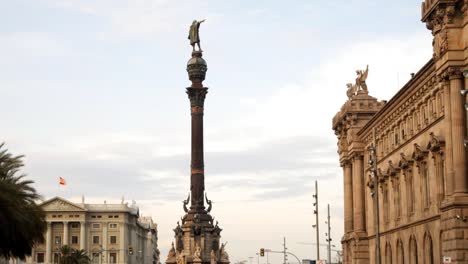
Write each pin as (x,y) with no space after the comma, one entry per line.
(75,225)
(58,240)
(96,226)
(113,226)
(396,137)
(74,240)
(113,239)
(113,257)
(40,257)
(116,216)
(95,239)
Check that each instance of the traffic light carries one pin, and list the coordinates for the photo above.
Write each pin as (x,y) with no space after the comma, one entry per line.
(130,250)
(262,252)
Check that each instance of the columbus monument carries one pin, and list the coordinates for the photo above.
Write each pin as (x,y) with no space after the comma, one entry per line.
(197,237)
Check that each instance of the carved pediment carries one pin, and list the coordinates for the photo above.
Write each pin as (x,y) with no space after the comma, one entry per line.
(419,153)
(435,145)
(382,176)
(60,204)
(404,163)
(391,171)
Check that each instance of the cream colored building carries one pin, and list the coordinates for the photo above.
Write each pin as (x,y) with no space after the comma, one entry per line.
(108,232)
(420,138)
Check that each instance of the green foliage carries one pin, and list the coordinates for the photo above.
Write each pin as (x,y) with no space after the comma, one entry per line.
(22,221)
(73,256)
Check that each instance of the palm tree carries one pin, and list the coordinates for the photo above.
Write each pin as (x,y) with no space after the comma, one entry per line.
(80,257)
(73,256)
(65,254)
(22,221)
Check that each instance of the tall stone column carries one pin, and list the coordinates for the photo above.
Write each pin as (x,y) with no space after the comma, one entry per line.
(82,235)
(123,244)
(448,145)
(196,68)
(458,131)
(65,233)
(48,255)
(348,196)
(358,193)
(104,242)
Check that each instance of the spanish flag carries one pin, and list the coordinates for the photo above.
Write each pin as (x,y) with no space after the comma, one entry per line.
(62,181)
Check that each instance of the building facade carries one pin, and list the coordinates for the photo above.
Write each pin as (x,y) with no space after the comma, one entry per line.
(419,141)
(110,233)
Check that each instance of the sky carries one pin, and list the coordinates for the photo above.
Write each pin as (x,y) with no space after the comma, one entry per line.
(94,91)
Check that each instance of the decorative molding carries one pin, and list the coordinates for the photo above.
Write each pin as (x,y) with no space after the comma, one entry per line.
(404,163)
(455,73)
(391,171)
(196,109)
(197,96)
(419,153)
(435,144)
(58,204)
(440,43)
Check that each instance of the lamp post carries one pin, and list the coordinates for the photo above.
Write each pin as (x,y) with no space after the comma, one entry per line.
(373,162)
(315,196)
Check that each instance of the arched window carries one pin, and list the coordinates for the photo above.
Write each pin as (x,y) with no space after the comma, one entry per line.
(413,251)
(400,255)
(428,249)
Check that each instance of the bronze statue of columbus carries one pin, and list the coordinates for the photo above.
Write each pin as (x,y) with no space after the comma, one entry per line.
(194,35)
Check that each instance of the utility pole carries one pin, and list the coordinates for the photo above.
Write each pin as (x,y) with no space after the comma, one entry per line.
(373,162)
(329,239)
(317,219)
(285,258)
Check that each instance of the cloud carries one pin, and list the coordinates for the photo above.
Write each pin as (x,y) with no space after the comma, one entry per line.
(131,18)
(27,45)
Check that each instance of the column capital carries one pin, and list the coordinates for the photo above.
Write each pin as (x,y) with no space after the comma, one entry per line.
(454,73)
(197,96)
(345,163)
(358,156)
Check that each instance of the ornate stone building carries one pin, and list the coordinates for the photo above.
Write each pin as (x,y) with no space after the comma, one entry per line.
(110,233)
(419,139)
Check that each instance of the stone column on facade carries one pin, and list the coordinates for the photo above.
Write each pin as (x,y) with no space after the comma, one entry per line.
(358,193)
(82,235)
(458,131)
(104,242)
(123,244)
(448,145)
(48,254)
(65,233)
(348,196)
